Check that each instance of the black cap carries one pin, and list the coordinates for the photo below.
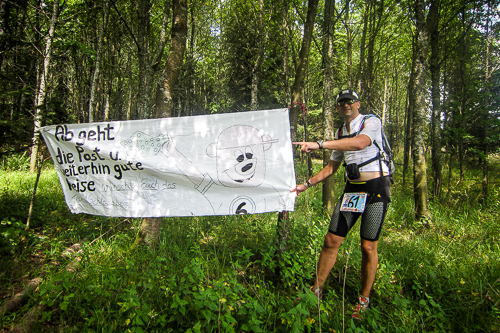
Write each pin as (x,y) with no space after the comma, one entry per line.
(347,94)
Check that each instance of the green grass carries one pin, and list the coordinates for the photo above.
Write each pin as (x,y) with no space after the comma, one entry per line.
(219,274)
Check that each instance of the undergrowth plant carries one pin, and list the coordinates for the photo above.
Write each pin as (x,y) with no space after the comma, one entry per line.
(16,162)
(223,274)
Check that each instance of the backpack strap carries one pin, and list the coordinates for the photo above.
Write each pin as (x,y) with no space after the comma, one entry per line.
(361,126)
(363,123)
(377,157)
(380,155)
(348,136)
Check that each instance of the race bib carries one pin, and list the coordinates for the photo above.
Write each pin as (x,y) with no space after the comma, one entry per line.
(354,202)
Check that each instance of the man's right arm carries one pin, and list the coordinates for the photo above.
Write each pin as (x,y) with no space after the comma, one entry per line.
(348,144)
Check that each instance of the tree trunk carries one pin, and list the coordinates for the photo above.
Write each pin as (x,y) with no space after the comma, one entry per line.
(367,77)
(375,20)
(419,115)
(285,44)
(190,63)
(260,57)
(301,68)
(360,78)
(385,102)
(408,120)
(145,70)
(348,31)
(463,82)
(295,110)
(164,102)
(95,75)
(41,95)
(433,29)
(394,115)
(329,96)
(150,228)
(107,106)
(485,110)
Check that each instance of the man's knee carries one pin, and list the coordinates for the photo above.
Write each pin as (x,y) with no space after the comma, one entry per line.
(369,247)
(332,241)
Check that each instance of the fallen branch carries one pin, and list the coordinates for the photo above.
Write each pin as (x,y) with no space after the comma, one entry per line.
(19,298)
(29,320)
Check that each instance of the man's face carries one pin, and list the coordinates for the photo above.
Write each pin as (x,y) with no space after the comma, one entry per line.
(347,109)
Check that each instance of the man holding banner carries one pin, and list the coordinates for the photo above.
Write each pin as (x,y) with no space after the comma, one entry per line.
(366,194)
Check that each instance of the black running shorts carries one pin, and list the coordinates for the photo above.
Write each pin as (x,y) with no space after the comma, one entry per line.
(379,196)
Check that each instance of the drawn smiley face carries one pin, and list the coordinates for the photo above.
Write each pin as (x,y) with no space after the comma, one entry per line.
(244,165)
(240,154)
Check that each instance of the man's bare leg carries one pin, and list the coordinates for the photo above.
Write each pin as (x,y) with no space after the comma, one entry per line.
(327,258)
(369,263)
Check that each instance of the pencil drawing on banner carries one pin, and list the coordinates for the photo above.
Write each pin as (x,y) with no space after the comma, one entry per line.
(236,163)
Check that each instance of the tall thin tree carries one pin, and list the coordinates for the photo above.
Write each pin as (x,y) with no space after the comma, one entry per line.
(435,70)
(301,68)
(297,90)
(98,60)
(261,42)
(420,188)
(329,109)
(150,228)
(42,86)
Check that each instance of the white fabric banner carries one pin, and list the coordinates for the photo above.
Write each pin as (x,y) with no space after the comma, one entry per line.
(224,164)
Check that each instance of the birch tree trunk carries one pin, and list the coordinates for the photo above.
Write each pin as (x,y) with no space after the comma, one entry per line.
(408,120)
(360,82)
(348,31)
(285,45)
(485,112)
(435,69)
(385,102)
(150,228)
(41,95)
(329,96)
(463,86)
(368,73)
(419,116)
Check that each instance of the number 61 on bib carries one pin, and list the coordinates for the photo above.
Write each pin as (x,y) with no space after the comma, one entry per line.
(353,202)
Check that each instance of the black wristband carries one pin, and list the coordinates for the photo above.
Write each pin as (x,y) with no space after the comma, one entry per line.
(308,184)
(320,144)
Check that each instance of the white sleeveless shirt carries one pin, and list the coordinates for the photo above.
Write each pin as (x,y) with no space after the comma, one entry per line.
(372,129)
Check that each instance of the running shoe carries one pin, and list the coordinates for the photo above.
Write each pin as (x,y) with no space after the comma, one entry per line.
(318,292)
(363,304)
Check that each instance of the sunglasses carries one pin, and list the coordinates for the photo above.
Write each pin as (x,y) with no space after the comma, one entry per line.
(348,101)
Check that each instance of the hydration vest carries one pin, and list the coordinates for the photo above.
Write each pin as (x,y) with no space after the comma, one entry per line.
(384,154)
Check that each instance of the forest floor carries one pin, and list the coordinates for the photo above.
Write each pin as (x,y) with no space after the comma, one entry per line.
(441,274)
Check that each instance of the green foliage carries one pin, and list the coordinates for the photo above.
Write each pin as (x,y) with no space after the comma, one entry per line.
(16,162)
(221,273)
(12,235)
